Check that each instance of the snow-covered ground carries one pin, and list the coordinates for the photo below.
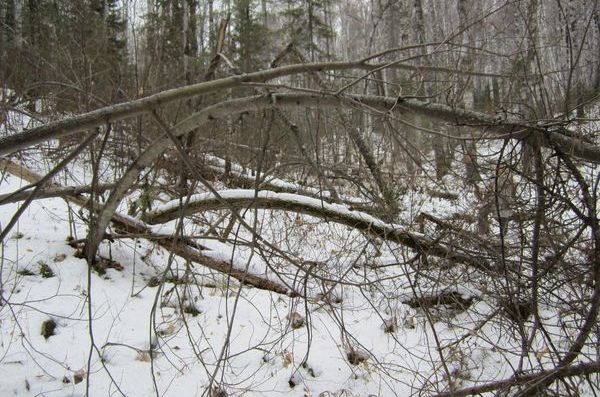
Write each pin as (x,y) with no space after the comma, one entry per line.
(143,341)
(160,326)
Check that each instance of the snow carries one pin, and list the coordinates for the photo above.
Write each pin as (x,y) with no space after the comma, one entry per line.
(174,338)
(121,325)
(250,194)
(266,351)
(242,172)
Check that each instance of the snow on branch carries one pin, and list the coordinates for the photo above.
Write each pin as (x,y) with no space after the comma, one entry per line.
(181,247)
(247,198)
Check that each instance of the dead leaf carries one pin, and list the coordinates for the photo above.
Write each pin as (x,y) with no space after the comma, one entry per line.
(542,353)
(409,321)
(357,355)
(78,376)
(143,356)
(296,320)
(288,358)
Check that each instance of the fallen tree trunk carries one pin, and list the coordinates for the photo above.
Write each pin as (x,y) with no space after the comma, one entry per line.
(532,379)
(311,206)
(51,192)
(87,121)
(178,246)
(551,136)
(239,177)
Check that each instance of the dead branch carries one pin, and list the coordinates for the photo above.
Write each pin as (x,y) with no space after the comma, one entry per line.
(126,224)
(318,208)
(53,192)
(528,379)
(450,298)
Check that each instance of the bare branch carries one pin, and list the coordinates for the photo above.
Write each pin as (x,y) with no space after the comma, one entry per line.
(314,207)
(541,376)
(180,247)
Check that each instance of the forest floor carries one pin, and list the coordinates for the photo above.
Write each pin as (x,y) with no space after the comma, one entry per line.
(377,320)
(45,324)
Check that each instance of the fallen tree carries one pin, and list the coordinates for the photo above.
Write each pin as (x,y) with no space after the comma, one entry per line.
(87,121)
(502,129)
(368,224)
(520,271)
(182,247)
(552,135)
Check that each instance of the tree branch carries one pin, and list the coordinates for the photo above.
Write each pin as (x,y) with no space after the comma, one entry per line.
(179,247)
(53,192)
(307,205)
(541,376)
